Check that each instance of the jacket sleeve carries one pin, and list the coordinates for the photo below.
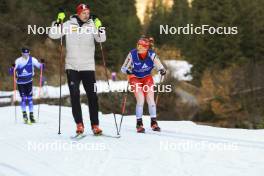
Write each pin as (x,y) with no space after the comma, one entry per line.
(157,63)
(16,64)
(127,65)
(36,63)
(99,35)
(55,31)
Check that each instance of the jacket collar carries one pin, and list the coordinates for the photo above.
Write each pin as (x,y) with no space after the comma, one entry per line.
(74,20)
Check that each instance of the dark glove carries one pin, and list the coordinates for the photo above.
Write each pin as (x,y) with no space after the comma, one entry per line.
(43,65)
(162,72)
(93,17)
(129,72)
(11,69)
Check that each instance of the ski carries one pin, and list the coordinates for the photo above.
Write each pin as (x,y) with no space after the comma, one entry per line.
(78,136)
(81,136)
(150,132)
(27,123)
(107,135)
(111,136)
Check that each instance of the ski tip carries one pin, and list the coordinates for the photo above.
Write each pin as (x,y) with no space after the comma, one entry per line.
(117,136)
(108,135)
(78,136)
(28,123)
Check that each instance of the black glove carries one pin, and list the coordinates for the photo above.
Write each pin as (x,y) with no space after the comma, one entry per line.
(129,72)
(11,70)
(93,17)
(42,61)
(162,72)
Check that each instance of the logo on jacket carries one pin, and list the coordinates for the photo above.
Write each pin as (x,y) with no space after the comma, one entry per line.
(144,66)
(74,28)
(25,71)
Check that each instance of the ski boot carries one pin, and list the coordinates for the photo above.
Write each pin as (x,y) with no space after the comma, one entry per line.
(25,118)
(154,124)
(96,130)
(80,129)
(31,117)
(140,128)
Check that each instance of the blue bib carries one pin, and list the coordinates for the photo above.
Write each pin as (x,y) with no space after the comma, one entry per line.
(142,67)
(25,73)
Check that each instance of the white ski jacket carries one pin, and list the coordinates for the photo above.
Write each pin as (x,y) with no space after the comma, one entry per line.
(80,45)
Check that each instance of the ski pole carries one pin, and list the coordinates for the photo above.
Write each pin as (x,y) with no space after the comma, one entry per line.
(40,87)
(60,64)
(14,96)
(106,75)
(123,107)
(157,97)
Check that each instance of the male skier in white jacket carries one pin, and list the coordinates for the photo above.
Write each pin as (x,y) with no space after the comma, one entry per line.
(80,32)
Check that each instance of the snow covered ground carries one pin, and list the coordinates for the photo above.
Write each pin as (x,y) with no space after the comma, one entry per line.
(179,69)
(181,149)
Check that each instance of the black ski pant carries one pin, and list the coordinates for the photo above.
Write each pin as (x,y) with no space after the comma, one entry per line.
(88,80)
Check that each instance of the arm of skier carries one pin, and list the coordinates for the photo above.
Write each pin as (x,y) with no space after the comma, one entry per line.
(16,64)
(126,67)
(57,31)
(158,65)
(37,64)
(100,35)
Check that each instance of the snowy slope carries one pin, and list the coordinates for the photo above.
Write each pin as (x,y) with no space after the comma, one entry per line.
(182,149)
(179,69)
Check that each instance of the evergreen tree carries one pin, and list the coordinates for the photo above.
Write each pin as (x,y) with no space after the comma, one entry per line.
(214,50)
(122,27)
(119,17)
(160,16)
(179,17)
(251,25)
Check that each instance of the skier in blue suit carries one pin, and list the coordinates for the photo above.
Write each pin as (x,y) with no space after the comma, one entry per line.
(24,69)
